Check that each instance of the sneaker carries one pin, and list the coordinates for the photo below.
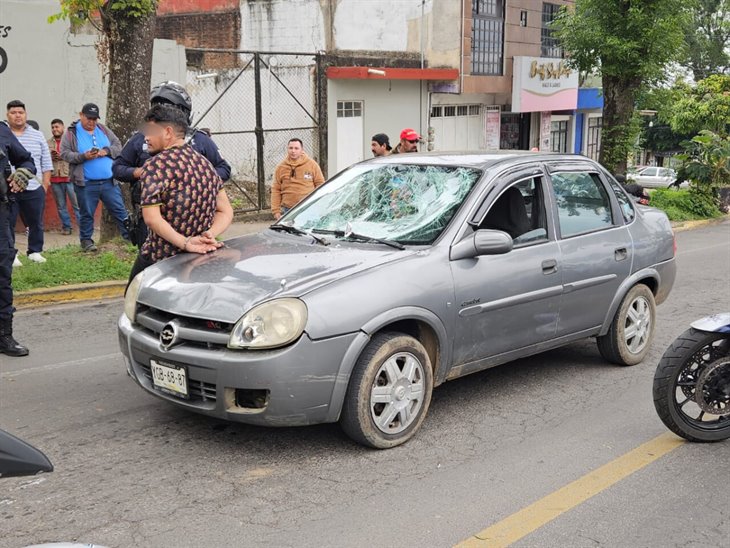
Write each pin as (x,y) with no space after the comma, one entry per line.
(17,262)
(36,257)
(88,245)
(66,231)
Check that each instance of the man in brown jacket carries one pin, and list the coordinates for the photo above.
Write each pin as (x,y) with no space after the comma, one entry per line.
(60,184)
(295,178)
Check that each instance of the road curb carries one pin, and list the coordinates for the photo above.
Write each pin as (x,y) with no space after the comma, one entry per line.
(681,226)
(69,293)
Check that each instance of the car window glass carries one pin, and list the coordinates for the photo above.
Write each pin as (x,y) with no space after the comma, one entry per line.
(627,206)
(649,172)
(583,203)
(520,212)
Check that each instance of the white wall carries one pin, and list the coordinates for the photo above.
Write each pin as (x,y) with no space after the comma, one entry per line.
(53,71)
(390,106)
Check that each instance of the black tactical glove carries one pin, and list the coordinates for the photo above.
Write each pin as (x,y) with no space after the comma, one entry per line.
(20,178)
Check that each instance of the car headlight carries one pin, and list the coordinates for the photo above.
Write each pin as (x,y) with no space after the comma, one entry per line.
(270,325)
(130,297)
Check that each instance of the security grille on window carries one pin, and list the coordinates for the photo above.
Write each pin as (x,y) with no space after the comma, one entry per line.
(455,110)
(559,136)
(487,37)
(550,46)
(349,109)
(593,143)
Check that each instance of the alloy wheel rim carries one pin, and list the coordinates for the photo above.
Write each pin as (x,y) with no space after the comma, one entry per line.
(397,394)
(638,325)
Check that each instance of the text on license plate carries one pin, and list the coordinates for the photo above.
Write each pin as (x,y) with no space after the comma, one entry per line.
(169,378)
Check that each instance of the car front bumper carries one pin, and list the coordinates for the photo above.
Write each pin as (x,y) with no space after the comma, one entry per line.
(295,382)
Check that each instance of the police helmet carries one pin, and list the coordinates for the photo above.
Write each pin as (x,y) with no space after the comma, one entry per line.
(174,94)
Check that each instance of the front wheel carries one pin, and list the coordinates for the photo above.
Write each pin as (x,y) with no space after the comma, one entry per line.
(389,391)
(692,386)
(629,338)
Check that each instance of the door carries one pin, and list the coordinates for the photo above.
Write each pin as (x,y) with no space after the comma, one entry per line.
(595,247)
(506,302)
(350,145)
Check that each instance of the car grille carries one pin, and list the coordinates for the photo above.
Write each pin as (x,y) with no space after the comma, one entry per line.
(192,331)
(198,390)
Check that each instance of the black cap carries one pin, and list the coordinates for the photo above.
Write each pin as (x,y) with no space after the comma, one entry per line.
(90,110)
(382,139)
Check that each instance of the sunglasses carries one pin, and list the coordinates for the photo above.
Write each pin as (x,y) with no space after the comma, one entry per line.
(413,142)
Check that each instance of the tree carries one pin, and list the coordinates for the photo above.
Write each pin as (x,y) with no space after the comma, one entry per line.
(707,34)
(706,107)
(125,48)
(629,42)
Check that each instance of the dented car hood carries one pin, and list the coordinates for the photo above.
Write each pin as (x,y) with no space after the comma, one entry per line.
(250,269)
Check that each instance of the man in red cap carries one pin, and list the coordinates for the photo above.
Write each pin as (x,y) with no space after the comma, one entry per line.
(409,140)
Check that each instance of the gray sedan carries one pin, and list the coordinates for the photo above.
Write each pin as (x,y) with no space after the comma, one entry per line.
(400,274)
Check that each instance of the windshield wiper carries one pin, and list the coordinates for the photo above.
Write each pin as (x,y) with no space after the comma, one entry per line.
(361,237)
(299,232)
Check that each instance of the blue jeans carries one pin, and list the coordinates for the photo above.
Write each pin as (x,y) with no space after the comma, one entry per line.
(30,205)
(60,191)
(88,197)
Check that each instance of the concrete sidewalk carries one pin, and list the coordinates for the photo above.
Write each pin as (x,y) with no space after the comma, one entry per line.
(54,239)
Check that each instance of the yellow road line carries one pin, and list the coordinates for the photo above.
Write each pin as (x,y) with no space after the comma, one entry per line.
(522,523)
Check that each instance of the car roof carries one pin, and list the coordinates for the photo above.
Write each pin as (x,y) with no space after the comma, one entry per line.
(482,160)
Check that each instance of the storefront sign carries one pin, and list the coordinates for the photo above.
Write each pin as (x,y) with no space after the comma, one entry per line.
(492,128)
(542,84)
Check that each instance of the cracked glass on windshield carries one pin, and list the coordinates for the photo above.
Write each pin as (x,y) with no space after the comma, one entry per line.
(410,204)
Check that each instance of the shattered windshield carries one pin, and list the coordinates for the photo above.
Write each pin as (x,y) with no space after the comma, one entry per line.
(411,204)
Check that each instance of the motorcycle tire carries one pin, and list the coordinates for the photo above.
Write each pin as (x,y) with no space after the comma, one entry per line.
(678,374)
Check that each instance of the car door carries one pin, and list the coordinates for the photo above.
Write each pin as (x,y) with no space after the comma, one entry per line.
(595,246)
(506,302)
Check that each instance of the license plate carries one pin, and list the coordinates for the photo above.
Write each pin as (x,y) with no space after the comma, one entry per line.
(169,378)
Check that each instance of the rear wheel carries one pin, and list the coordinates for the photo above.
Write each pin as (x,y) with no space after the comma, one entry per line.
(389,391)
(629,338)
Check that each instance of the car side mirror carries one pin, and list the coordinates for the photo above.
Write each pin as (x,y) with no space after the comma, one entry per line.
(482,242)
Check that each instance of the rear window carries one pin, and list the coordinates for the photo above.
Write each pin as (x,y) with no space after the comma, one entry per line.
(583,203)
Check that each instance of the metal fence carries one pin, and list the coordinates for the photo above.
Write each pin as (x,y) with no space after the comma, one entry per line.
(253,103)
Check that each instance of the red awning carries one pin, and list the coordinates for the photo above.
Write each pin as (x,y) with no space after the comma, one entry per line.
(378,73)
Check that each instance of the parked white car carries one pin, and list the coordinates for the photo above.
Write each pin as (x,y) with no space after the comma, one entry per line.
(655,177)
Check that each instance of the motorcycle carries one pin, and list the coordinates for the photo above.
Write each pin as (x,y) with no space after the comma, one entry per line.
(692,381)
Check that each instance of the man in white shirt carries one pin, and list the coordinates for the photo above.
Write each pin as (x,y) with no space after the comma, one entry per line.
(31,203)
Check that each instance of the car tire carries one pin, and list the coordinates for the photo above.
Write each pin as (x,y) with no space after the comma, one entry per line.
(389,391)
(629,338)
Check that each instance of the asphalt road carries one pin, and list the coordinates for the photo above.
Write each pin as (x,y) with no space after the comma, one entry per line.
(134,471)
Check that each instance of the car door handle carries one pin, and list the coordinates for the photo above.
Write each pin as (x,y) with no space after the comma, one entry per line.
(620,253)
(550,266)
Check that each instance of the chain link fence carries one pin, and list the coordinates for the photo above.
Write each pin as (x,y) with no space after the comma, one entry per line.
(252,104)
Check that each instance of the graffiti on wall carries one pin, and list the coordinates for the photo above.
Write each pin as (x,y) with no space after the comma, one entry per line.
(4,31)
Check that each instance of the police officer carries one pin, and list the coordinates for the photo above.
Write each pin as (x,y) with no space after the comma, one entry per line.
(128,165)
(11,151)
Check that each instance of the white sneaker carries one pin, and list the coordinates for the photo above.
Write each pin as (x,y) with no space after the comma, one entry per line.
(37,258)
(17,262)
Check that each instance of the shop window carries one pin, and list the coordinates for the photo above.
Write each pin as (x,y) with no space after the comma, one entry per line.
(487,38)
(509,138)
(450,111)
(559,136)
(474,110)
(349,109)
(550,46)
(593,141)
(436,112)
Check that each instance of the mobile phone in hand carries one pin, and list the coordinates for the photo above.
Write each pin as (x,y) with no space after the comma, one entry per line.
(94,150)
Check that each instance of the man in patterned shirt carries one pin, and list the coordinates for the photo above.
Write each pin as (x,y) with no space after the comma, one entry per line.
(183,201)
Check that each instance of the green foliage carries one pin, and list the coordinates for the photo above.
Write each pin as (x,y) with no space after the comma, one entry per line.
(70,265)
(684,205)
(707,34)
(79,11)
(707,107)
(706,162)
(629,39)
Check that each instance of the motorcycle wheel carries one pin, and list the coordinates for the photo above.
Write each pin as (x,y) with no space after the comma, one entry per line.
(692,386)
